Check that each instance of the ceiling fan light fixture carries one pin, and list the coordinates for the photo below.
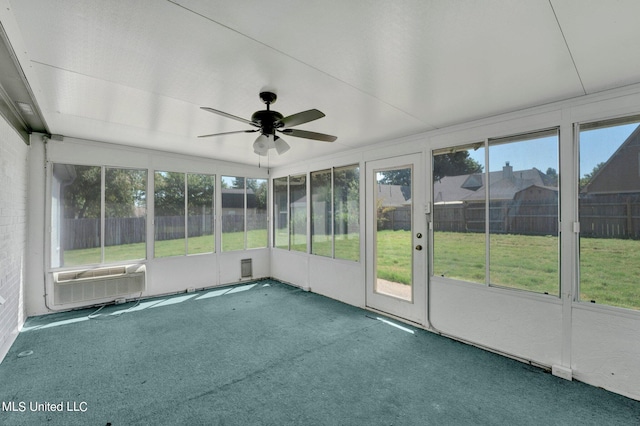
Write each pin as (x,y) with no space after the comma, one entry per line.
(261,145)
(280,145)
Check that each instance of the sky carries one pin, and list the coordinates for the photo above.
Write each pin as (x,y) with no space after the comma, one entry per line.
(596,146)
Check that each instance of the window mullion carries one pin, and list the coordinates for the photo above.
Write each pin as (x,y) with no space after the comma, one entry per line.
(102,211)
(487,212)
(333,214)
(186,215)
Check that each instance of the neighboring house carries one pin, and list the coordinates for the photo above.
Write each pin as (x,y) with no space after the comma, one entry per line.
(503,185)
(621,172)
(233,200)
(233,219)
(523,201)
(610,202)
(393,195)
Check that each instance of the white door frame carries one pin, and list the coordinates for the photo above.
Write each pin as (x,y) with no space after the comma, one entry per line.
(414,310)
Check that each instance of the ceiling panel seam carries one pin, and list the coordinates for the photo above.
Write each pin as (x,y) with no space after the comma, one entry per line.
(303,63)
(119,83)
(568,48)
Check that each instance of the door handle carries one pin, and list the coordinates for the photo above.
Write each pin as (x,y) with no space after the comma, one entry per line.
(418,247)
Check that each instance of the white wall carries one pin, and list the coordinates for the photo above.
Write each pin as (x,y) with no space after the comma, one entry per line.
(598,345)
(13,231)
(164,275)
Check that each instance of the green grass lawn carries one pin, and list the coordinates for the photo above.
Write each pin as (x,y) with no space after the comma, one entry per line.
(166,248)
(609,268)
(518,261)
(394,251)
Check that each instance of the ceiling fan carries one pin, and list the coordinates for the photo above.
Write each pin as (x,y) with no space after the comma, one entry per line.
(268,122)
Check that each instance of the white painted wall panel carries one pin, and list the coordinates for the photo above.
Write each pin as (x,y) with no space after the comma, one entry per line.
(229,271)
(519,324)
(13,233)
(606,349)
(338,279)
(291,267)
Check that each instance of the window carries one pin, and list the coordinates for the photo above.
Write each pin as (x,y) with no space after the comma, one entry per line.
(125,230)
(298,212)
(458,214)
(609,212)
(233,206)
(257,224)
(280,212)
(183,214)
(335,213)
(200,219)
(169,214)
(244,213)
(346,208)
(523,212)
(321,213)
(511,240)
(80,197)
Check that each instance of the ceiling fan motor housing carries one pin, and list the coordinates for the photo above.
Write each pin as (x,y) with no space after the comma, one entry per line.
(267,120)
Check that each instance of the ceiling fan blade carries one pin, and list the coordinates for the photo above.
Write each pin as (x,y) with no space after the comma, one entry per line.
(309,135)
(228,133)
(300,118)
(224,114)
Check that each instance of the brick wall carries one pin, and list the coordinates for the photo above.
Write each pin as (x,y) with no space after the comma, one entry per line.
(13,232)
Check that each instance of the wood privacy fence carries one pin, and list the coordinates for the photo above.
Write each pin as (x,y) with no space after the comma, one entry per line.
(611,217)
(528,218)
(599,218)
(85,233)
(395,218)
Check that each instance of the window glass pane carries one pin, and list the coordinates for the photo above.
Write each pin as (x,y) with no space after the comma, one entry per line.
(321,241)
(125,203)
(200,222)
(346,205)
(280,212)
(523,213)
(393,238)
(257,196)
(169,214)
(233,203)
(609,212)
(298,209)
(458,214)
(75,215)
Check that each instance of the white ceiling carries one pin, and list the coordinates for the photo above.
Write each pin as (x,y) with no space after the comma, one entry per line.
(136,72)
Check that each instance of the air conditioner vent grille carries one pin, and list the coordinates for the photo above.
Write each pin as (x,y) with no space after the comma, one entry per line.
(246,268)
(92,284)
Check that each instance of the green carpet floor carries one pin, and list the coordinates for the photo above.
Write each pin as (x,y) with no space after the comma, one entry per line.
(265,353)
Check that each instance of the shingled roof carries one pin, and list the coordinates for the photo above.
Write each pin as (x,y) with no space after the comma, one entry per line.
(503,185)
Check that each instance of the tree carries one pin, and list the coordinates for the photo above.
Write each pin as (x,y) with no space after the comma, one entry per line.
(82,195)
(238,183)
(125,189)
(346,188)
(454,164)
(200,193)
(450,164)
(260,190)
(552,177)
(169,194)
